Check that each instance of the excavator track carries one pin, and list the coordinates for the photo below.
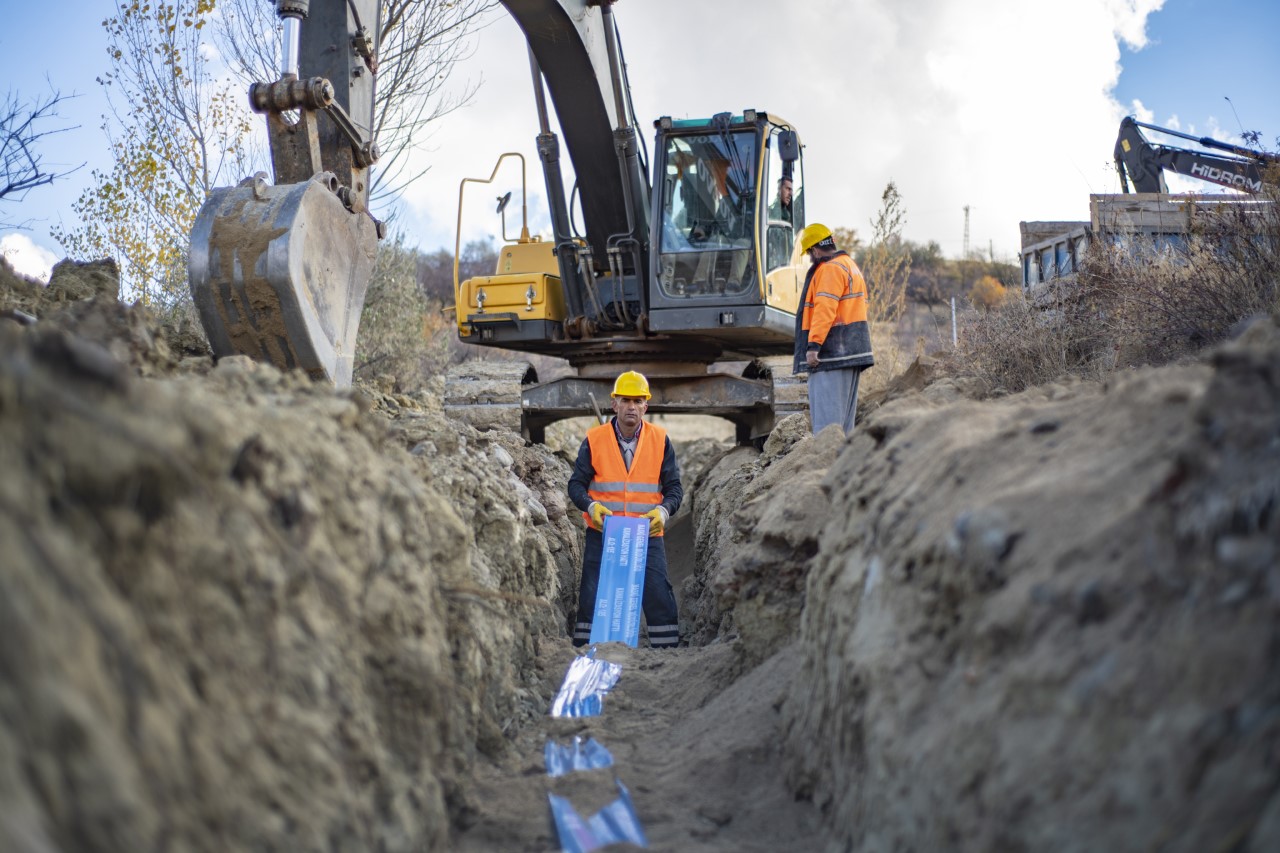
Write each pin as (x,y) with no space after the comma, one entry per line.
(486,393)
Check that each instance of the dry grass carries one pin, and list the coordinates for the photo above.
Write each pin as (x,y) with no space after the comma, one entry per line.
(1021,343)
(1132,303)
(892,358)
(1161,304)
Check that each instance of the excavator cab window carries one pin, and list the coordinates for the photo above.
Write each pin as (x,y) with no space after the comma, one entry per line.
(708,215)
(785,211)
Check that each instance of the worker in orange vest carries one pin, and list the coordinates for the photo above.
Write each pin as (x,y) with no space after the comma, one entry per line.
(629,467)
(833,338)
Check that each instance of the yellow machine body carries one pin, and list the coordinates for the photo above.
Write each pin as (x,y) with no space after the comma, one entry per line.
(525,286)
(782,286)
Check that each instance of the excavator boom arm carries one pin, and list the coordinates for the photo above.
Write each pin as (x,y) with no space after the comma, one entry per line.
(569,41)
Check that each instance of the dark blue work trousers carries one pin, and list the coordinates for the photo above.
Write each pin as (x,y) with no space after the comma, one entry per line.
(658,600)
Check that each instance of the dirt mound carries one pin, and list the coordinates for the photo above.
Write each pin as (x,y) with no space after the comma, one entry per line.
(239,610)
(1050,621)
(82,300)
(758,517)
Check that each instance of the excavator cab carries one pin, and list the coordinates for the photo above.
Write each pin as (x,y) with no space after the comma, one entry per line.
(724,228)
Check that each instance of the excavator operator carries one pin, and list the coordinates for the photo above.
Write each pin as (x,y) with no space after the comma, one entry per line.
(628,466)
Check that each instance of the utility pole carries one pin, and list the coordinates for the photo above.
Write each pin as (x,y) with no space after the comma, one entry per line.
(966,232)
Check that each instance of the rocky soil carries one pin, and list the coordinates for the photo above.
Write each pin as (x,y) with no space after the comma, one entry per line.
(240,611)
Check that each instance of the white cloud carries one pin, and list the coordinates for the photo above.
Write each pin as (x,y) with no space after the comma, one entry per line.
(26,257)
(1002,105)
(1130,17)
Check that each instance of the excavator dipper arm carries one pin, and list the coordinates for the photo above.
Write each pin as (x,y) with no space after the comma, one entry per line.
(278,271)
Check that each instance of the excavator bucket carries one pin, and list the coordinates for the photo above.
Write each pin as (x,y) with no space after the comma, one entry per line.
(279,273)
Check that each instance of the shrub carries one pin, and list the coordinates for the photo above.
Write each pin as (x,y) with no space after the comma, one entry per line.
(404,340)
(1164,302)
(987,292)
(1020,343)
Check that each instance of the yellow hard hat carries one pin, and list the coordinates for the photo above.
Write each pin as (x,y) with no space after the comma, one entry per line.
(631,384)
(812,235)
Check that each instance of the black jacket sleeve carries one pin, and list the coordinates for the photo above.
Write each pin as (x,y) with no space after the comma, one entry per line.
(580,479)
(672,490)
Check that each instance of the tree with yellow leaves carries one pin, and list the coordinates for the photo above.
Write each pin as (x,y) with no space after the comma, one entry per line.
(987,293)
(176,130)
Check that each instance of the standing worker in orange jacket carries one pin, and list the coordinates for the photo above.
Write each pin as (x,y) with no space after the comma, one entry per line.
(628,467)
(833,339)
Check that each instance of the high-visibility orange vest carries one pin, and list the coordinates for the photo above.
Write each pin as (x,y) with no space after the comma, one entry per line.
(630,493)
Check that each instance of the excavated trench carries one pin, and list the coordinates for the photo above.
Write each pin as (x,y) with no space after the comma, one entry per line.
(241,611)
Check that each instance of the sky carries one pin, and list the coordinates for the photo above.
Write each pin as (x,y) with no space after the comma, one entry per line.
(1007,107)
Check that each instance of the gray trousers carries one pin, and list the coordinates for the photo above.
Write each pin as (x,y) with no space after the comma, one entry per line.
(833,398)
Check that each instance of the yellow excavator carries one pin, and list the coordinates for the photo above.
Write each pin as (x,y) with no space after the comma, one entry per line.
(691,276)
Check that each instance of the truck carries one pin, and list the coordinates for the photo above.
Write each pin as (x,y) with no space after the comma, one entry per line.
(685,269)
(1053,251)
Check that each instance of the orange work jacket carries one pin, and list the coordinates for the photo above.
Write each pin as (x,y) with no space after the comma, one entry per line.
(834,316)
(630,493)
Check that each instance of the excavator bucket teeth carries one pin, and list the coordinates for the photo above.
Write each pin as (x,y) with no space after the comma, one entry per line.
(279,273)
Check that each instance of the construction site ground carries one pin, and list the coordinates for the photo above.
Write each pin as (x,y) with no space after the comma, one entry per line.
(240,610)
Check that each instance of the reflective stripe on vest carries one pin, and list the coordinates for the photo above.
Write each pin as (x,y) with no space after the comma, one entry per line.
(630,493)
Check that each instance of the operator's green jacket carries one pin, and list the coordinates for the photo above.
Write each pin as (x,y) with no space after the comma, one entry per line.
(834,316)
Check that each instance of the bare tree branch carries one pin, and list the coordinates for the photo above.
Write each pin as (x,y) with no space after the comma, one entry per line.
(421,44)
(22,127)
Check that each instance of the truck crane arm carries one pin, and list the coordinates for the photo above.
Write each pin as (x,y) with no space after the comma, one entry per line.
(1144,164)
